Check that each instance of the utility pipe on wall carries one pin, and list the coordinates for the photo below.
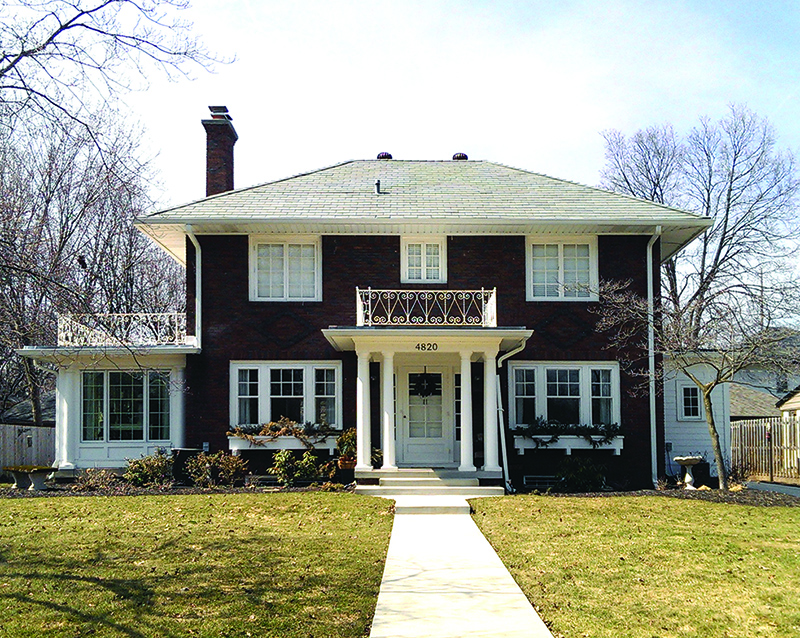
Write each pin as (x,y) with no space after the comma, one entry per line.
(651,354)
(198,284)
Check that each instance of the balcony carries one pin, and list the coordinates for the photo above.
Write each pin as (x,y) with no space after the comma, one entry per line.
(395,308)
(134,330)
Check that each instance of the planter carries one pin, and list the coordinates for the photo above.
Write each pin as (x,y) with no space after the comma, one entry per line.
(567,442)
(30,477)
(236,443)
(346,463)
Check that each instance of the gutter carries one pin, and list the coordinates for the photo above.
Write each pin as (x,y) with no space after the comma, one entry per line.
(651,355)
(500,420)
(198,285)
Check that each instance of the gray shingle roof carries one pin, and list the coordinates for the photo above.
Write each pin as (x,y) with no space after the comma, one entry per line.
(451,197)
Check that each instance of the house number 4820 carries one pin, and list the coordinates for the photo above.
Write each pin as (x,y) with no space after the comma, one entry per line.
(427,347)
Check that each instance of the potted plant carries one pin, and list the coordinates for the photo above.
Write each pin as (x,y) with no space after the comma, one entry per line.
(346,444)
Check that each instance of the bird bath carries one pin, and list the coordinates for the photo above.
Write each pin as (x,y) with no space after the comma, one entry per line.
(688,462)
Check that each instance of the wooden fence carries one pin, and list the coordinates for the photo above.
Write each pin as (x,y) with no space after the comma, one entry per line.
(767,449)
(26,445)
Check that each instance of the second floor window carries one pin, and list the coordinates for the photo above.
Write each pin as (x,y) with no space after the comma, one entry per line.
(562,270)
(423,260)
(285,269)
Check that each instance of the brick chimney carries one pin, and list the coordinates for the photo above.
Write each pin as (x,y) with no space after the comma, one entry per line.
(220,138)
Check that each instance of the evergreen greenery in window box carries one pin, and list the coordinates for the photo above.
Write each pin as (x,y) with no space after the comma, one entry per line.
(545,433)
(307,435)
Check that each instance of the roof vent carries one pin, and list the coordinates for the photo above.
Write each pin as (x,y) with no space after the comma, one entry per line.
(384,155)
(460,156)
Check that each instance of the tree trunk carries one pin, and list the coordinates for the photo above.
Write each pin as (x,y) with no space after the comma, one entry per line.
(722,469)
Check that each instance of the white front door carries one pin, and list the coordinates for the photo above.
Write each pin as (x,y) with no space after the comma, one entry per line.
(426,416)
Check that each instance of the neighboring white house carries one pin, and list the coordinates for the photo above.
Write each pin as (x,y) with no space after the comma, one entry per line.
(790,405)
(685,427)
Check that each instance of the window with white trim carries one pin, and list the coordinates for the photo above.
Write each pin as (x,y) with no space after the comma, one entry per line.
(265,391)
(689,402)
(563,270)
(285,269)
(423,260)
(564,392)
(125,405)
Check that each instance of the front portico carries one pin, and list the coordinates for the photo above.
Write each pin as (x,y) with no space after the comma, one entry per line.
(426,393)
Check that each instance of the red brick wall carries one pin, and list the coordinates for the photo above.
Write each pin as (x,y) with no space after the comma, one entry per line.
(235,328)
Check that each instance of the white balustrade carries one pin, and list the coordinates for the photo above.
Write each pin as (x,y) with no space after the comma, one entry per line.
(118,329)
(426,307)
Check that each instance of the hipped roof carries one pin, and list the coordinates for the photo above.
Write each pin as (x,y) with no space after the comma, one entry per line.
(422,197)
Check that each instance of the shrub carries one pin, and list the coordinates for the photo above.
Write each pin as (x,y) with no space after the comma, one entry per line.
(208,470)
(94,480)
(284,467)
(147,471)
(580,475)
(307,467)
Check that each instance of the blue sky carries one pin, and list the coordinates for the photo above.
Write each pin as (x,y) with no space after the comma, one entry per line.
(529,84)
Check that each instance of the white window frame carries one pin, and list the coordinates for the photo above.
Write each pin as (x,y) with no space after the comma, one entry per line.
(561,241)
(285,240)
(425,240)
(264,368)
(585,380)
(106,412)
(682,416)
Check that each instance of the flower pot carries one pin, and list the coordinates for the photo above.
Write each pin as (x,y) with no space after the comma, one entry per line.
(346,463)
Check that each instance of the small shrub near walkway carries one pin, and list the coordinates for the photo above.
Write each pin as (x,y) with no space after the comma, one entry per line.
(227,565)
(647,567)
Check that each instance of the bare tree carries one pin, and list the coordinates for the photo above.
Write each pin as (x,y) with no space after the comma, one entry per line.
(66,56)
(729,297)
(66,239)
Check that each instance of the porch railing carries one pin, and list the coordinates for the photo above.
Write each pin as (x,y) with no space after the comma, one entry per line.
(134,330)
(426,307)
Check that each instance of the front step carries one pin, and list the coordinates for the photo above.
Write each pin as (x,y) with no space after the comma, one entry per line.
(426,482)
(464,491)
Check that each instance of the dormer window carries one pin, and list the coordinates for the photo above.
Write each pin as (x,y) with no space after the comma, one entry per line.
(285,269)
(423,260)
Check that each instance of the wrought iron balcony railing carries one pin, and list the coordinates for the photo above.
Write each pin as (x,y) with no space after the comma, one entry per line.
(123,330)
(426,307)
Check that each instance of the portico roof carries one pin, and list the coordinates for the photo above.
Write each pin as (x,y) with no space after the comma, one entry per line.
(408,338)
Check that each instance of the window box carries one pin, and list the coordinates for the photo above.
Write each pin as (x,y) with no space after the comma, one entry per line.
(567,442)
(236,443)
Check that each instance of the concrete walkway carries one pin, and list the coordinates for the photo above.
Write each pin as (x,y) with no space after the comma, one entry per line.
(443,579)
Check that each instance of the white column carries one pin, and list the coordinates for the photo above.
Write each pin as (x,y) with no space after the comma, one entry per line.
(388,411)
(490,438)
(177,389)
(363,435)
(467,457)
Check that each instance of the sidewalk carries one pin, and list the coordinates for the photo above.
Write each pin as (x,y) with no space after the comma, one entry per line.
(443,579)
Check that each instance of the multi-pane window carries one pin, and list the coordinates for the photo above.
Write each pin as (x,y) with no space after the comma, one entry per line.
(569,393)
(564,395)
(423,261)
(601,397)
(247,397)
(286,270)
(690,401)
(266,391)
(120,405)
(562,270)
(525,392)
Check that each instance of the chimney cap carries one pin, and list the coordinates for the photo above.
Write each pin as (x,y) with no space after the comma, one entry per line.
(460,156)
(384,155)
(219,113)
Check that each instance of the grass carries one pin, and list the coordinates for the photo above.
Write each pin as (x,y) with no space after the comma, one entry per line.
(232,565)
(645,567)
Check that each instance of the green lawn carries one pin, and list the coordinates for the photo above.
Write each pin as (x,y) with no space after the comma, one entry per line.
(296,564)
(651,566)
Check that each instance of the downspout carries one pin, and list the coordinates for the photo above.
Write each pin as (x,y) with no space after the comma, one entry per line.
(651,355)
(500,419)
(198,289)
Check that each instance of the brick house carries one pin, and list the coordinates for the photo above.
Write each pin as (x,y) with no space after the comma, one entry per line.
(433,305)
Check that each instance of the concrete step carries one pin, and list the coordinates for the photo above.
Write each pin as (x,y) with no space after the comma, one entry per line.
(465,491)
(431,482)
(431,505)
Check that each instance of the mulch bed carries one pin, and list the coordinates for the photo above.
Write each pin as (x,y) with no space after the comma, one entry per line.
(756,498)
